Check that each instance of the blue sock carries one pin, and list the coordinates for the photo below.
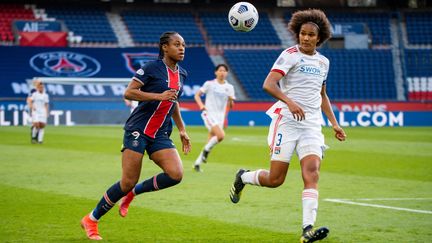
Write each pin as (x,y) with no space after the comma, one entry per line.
(155,183)
(108,200)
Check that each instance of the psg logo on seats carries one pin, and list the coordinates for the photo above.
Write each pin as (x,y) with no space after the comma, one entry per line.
(65,64)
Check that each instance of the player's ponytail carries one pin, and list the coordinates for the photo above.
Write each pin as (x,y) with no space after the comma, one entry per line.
(164,39)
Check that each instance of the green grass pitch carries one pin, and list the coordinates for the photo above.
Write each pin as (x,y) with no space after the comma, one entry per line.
(383,175)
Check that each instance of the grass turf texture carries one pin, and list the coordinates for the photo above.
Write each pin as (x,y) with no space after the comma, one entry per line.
(48,188)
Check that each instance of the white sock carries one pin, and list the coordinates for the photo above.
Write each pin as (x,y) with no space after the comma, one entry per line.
(310,206)
(41,134)
(211,143)
(198,161)
(251,177)
(92,217)
(34,132)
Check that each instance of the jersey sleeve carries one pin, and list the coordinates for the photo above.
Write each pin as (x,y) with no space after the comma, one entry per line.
(143,74)
(231,92)
(284,63)
(326,74)
(46,100)
(205,87)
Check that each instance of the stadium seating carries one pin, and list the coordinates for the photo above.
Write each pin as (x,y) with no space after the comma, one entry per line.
(354,74)
(220,32)
(92,25)
(9,13)
(146,27)
(378,23)
(418,69)
(418,27)
(360,74)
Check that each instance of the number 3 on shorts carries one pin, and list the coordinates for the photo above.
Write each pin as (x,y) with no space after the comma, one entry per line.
(279,139)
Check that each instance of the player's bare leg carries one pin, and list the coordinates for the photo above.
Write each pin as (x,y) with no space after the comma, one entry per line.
(310,166)
(169,161)
(216,135)
(131,170)
(273,178)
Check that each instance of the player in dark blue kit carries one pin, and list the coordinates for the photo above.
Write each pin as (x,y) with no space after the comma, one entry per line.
(157,86)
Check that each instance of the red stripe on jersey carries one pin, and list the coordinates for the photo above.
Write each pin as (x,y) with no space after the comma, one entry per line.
(158,118)
(292,50)
(278,71)
(161,112)
(173,79)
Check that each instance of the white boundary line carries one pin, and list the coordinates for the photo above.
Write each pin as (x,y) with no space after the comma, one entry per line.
(348,201)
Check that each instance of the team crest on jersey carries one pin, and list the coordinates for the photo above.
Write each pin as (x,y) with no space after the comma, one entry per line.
(277,150)
(65,64)
(135,61)
(321,64)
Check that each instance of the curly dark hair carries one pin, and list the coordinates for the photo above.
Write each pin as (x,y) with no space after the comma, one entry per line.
(315,16)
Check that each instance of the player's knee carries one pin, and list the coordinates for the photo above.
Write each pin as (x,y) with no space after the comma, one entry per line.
(311,175)
(276,182)
(176,175)
(128,184)
(220,137)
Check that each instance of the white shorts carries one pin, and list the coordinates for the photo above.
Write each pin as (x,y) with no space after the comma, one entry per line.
(39,117)
(284,138)
(211,120)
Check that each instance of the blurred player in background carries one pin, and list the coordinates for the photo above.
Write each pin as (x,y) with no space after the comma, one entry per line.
(157,85)
(298,80)
(38,104)
(29,106)
(132,104)
(218,93)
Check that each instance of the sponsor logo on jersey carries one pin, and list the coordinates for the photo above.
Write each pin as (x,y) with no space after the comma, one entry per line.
(311,70)
(65,64)
(135,61)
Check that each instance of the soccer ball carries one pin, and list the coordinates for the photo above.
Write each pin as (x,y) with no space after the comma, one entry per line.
(243,17)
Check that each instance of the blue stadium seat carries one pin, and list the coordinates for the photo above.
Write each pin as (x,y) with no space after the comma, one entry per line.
(92,25)
(378,23)
(221,33)
(354,74)
(418,27)
(146,27)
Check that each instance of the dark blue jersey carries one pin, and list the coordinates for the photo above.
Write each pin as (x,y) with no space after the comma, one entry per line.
(153,118)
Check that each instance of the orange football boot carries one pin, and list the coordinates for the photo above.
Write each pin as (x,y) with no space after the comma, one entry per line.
(91,228)
(124,205)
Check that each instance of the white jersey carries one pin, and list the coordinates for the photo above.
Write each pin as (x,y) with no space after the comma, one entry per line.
(217,95)
(39,112)
(302,81)
(39,100)
(133,105)
(216,101)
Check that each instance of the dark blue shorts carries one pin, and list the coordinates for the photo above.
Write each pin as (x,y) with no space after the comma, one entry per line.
(138,142)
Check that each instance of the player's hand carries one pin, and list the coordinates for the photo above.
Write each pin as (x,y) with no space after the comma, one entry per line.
(339,133)
(296,110)
(186,144)
(203,108)
(170,95)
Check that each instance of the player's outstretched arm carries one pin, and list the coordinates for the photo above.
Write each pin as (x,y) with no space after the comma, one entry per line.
(199,101)
(186,144)
(328,111)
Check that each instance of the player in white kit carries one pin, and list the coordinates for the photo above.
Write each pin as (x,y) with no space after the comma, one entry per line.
(298,80)
(219,93)
(39,111)
(132,104)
